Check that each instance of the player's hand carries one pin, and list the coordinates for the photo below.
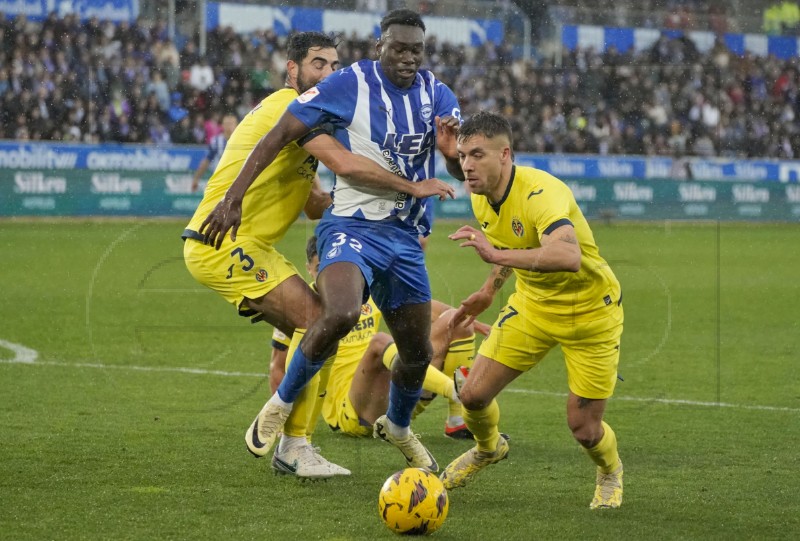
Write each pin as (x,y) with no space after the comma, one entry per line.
(227,215)
(195,185)
(472,307)
(481,327)
(477,240)
(446,134)
(433,187)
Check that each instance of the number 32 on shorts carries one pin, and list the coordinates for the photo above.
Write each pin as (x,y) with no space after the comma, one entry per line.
(341,239)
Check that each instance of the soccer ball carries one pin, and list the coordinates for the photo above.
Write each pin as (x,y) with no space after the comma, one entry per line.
(413,502)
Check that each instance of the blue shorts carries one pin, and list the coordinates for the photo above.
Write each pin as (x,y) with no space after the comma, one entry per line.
(388,253)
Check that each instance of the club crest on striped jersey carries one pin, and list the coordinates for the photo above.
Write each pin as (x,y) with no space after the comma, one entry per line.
(308,95)
(426,111)
(517,227)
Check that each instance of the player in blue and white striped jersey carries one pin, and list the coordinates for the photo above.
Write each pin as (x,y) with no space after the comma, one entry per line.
(215,149)
(396,114)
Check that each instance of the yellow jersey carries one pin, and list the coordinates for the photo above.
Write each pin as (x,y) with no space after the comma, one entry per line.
(536,203)
(277,196)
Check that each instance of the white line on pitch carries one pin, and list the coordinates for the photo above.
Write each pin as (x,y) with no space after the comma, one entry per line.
(670,401)
(226,373)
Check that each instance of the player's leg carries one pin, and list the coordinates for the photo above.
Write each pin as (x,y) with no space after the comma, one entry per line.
(591,353)
(277,307)
(294,454)
(369,390)
(514,345)
(585,420)
(410,327)
(290,305)
(482,415)
(460,352)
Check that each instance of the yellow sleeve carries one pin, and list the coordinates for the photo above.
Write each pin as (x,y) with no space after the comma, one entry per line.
(548,206)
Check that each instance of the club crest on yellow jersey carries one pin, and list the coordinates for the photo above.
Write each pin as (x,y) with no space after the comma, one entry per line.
(261,275)
(366,309)
(517,227)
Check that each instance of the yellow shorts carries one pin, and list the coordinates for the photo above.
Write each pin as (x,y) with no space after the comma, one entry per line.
(246,268)
(342,416)
(520,340)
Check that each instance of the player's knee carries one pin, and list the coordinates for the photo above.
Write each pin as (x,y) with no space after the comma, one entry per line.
(340,320)
(377,346)
(588,434)
(472,399)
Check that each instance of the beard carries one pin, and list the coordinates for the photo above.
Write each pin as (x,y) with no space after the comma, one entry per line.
(304,84)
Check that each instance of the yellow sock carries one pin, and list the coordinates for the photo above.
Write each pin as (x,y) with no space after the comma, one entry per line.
(324,375)
(483,425)
(298,420)
(460,353)
(434,382)
(388,356)
(605,454)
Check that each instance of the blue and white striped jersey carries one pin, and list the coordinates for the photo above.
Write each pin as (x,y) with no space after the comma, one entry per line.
(215,149)
(394,127)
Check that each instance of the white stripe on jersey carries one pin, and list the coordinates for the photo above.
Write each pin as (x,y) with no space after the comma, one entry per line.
(349,199)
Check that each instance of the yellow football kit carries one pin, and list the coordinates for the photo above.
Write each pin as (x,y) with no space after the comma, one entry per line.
(251,267)
(337,409)
(581,311)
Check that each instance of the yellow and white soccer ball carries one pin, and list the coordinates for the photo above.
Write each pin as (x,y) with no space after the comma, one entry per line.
(413,501)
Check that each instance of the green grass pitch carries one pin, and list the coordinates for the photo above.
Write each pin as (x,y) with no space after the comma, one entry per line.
(130,422)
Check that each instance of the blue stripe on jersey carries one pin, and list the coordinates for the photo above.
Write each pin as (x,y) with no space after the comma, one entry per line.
(392,126)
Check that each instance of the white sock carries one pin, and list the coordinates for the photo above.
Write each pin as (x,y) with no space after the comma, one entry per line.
(277,401)
(291,442)
(397,432)
(455,420)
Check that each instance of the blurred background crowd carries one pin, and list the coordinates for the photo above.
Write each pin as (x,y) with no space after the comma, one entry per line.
(94,81)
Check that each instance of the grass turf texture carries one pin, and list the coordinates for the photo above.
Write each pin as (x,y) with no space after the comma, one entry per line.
(93,448)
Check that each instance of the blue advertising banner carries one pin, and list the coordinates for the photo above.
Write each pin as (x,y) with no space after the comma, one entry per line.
(109,157)
(37,10)
(639,39)
(97,157)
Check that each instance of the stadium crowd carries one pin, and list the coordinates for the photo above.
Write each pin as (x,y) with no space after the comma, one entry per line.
(94,81)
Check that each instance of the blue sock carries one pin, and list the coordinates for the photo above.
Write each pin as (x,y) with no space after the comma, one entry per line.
(401,404)
(298,373)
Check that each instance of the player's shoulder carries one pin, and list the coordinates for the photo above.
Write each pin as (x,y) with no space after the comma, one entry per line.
(527,178)
(275,101)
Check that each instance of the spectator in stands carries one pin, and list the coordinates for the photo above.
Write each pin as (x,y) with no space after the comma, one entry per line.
(215,149)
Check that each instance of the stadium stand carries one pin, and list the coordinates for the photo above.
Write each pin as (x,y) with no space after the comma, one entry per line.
(93,81)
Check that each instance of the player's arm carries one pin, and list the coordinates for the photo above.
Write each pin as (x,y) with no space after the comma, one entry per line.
(364,172)
(227,215)
(481,300)
(201,169)
(446,134)
(318,200)
(560,250)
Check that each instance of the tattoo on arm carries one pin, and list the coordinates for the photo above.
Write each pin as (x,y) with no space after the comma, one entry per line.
(584,402)
(570,239)
(502,276)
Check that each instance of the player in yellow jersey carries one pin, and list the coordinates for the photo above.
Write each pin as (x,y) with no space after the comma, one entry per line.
(245,268)
(565,294)
(356,392)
